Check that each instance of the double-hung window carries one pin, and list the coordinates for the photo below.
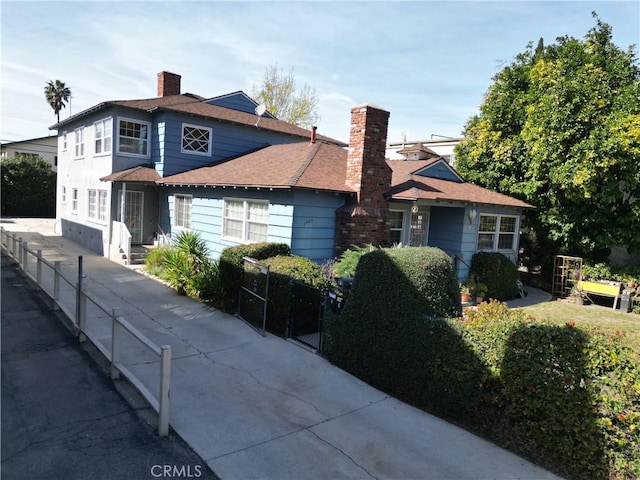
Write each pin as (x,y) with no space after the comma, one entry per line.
(196,140)
(497,232)
(245,221)
(79,142)
(182,211)
(133,137)
(64,141)
(102,136)
(97,205)
(74,200)
(64,194)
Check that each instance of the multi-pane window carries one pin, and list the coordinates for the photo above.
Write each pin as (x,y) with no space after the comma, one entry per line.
(133,137)
(182,211)
(396,220)
(97,205)
(497,232)
(245,220)
(102,136)
(79,142)
(64,194)
(74,200)
(196,139)
(64,141)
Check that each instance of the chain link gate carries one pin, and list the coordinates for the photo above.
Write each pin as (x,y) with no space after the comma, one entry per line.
(253,294)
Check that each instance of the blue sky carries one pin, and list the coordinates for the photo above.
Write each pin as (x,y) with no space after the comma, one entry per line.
(428,63)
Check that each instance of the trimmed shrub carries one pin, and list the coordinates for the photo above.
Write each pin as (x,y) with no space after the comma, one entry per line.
(497,272)
(345,267)
(230,267)
(282,269)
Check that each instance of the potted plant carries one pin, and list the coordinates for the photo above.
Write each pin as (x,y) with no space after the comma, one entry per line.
(478,290)
(465,294)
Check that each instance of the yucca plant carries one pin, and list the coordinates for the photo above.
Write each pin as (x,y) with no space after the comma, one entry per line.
(186,262)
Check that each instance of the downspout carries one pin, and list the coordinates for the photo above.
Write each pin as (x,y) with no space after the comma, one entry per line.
(122,205)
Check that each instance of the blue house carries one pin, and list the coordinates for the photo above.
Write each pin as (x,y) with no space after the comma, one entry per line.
(138,171)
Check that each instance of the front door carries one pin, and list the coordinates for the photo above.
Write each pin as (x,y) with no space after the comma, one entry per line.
(133,208)
(419,228)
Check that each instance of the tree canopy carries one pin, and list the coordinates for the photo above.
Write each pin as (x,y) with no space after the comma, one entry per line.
(560,128)
(57,95)
(28,187)
(279,95)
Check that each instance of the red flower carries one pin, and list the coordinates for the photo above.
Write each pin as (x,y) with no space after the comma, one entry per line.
(570,324)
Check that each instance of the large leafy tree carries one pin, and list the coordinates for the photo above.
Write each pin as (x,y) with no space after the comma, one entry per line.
(27,187)
(278,93)
(560,129)
(57,95)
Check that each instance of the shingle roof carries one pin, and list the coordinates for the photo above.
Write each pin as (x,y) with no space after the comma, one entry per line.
(322,166)
(196,105)
(319,166)
(407,186)
(139,174)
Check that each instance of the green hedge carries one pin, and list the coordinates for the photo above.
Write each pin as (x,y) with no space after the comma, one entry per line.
(497,272)
(230,267)
(567,398)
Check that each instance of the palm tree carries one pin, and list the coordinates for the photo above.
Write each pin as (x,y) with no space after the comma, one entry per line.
(57,94)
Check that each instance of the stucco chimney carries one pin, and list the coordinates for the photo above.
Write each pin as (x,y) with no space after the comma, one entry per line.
(365,219)
(168,84)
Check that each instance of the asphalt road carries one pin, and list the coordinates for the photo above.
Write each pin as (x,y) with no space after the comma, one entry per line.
(62,416)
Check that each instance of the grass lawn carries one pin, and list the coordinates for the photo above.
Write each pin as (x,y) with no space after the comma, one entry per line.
(604,318)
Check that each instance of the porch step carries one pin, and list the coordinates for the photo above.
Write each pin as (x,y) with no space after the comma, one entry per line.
(138,254)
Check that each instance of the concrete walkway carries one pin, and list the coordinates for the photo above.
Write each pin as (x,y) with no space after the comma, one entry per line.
(258,407)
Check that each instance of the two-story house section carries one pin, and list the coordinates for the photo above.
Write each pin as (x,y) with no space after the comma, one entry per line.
(112,154)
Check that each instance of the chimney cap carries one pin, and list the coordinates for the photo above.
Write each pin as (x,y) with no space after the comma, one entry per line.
(369,105)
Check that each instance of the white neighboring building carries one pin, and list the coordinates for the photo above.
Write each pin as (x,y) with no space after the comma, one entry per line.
(45,147)
(442,147)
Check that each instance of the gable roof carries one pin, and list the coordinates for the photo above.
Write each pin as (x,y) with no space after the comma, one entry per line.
(408,185)
(317,166)
(188,103)
(139,174)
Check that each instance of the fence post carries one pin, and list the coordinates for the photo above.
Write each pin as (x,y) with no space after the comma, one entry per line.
(79,297)
(20,253)
(165,384)
(39,267)
(56,285)
(115,344)
(13,250)
(82,319)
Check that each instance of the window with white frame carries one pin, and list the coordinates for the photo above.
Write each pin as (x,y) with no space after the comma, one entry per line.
(102,136)
(64,141)
(196,139)
(74,200)
(245,221)
(133,137)
(182,211)
(79,142)
(497,232)
(396,225)
(64,194)
(97,205)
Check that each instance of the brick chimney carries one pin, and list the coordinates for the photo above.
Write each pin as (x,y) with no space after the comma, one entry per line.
(365,218)
(168,84)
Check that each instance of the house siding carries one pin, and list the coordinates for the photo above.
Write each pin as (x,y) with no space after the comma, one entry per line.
(236,101)
(439,170)
(303,220)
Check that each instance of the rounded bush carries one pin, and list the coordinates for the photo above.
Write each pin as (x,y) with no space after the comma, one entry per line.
(497,272)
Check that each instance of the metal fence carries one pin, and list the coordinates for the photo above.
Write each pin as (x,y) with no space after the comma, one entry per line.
(70,297)
(253,294)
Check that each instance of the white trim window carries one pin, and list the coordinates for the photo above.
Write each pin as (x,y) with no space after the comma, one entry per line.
(497,232)
(79,142)
(182,211)
(64,141)
(133,137)
(74,200)
(396,226)
(64,194)
(97,205)
(102,137)
(196,139)
(245,221)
